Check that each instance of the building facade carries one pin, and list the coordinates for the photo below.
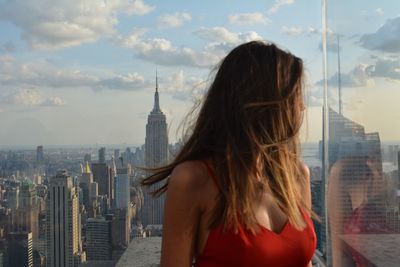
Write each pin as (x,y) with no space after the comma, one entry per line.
(20,249)
(63,232)
(156,154)
(122,197)
(98,239)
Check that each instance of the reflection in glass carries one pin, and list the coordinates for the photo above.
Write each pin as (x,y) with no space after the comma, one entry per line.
(362,165)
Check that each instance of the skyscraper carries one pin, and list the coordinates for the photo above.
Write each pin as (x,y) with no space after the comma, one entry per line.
(39,154)
(102,174)
(84,183)
(156,144)
(62,222)
(102,155)
(28,210)
(20,249)
(156,154)
(99,241)
(122,187)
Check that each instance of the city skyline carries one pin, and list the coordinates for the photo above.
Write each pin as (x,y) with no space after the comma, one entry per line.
(55,74)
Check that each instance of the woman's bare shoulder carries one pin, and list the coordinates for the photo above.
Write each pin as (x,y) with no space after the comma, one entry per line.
(190,175)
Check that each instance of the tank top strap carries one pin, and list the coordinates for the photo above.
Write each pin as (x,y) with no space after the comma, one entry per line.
(211,172)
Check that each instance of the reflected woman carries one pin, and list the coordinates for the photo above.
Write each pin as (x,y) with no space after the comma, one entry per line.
(237,192)
(355,207)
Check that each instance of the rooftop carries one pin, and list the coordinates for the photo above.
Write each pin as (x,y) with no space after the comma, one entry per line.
(381,250)
(142,252)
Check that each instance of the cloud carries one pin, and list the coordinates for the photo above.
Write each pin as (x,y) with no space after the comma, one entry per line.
(173,20)
(184,88)
(386,68)
(134,7)
(379,11)
(161,51)
(16,74)
(292,31)
(314,101)
(385,39)
(331,43)
(217,34)
(247,18)
(13,72)
(49,26)
(359,76)
(222,36)
(362,75)
(313,31)
(128,82)
(277,5)
(8,47)
(53,101)
(32,98)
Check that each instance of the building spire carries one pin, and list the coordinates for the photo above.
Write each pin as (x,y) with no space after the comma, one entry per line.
(339,79)
(156,107)
(156,81)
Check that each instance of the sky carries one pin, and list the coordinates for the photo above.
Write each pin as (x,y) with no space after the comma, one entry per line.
(83,71)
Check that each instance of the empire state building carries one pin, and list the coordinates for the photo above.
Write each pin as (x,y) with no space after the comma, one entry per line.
(156,144)
(156,154)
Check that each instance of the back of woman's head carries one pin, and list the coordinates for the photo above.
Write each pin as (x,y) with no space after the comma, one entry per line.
(248,126)
(255,99)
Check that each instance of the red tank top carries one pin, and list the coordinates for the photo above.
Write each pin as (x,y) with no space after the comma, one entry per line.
(289,248)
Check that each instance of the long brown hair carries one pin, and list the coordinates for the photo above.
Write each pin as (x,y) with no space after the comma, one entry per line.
(248,126)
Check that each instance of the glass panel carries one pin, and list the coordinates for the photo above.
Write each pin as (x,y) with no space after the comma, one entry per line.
(363,46)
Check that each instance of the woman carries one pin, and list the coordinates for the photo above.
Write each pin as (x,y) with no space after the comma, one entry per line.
(237,193)
(355,206)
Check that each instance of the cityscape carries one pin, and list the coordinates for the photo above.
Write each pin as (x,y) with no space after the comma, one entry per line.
(92,93)
(83,206)
(77,207)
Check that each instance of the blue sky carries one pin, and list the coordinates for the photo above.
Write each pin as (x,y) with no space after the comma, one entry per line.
(82,71)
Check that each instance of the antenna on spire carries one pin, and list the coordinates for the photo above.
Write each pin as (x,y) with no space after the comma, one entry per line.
(339,79)
(156,81)
(156,107)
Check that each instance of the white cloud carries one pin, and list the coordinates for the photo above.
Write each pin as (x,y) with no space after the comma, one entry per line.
(184,88)
(379,11)
(13,72)
(313,31)
(278,4)
(48,26)
(53,101)
(32,98)
(292,31)
(16,74)
(26,97)
(386,68)
(217,34)
(173,20)
(362,75)
(161,51)
(385,39)
(359,76)
(314,101)
(130,81)
(222,35)
(248,18)
(134,7)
